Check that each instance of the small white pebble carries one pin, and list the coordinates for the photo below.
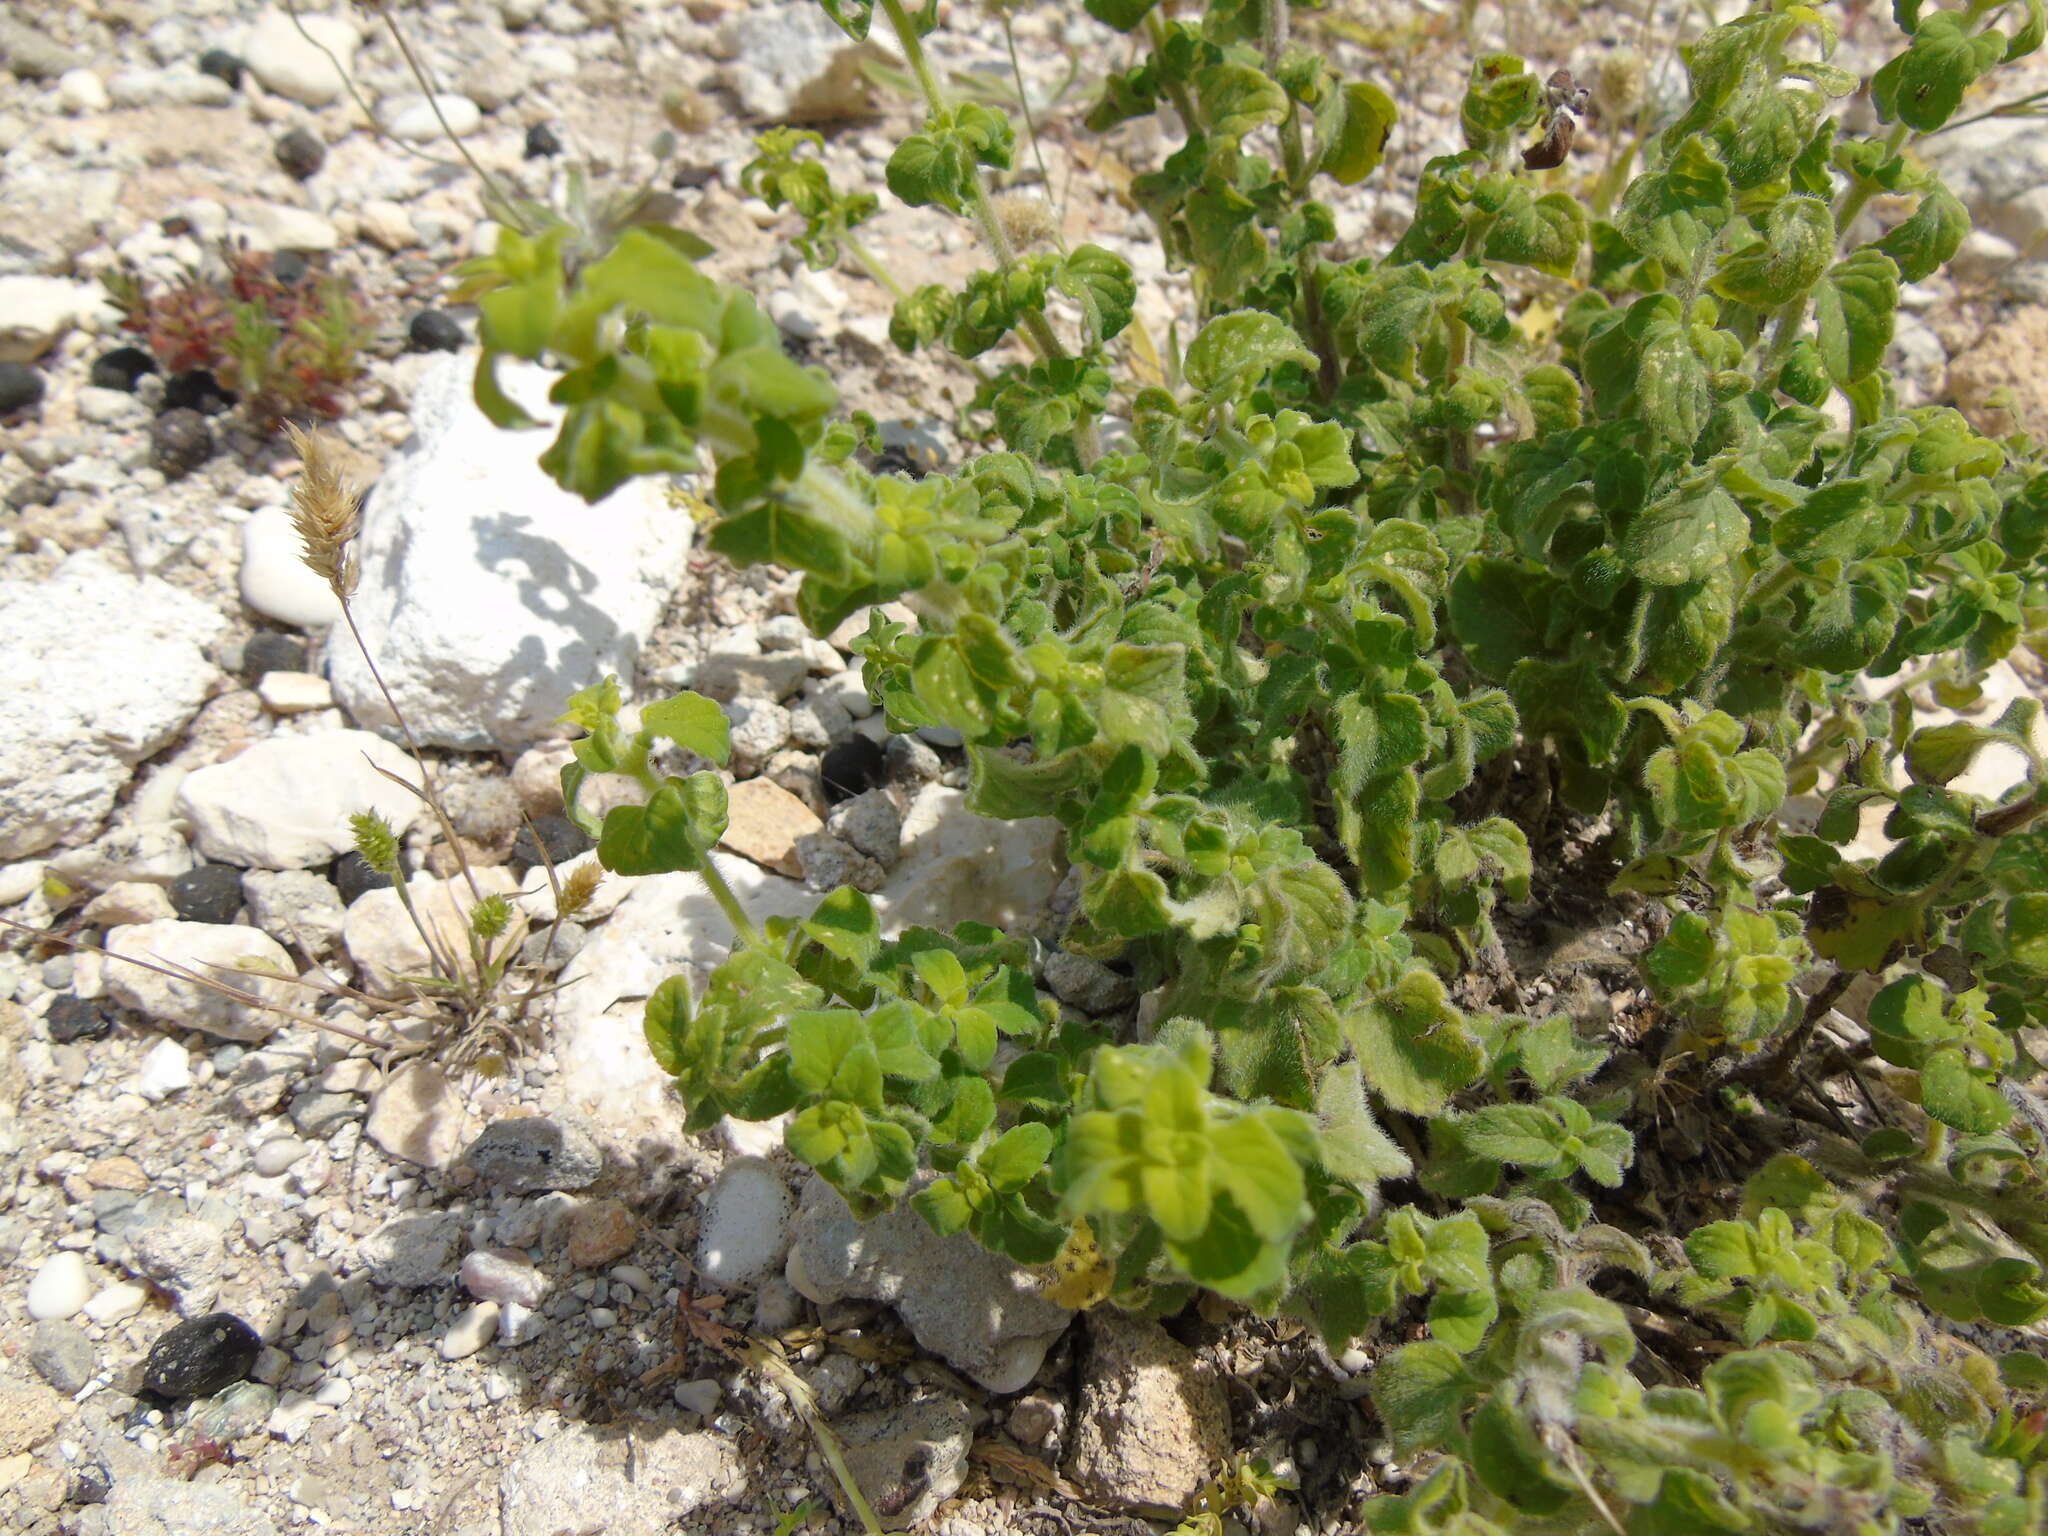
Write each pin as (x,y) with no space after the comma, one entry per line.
(497,1387)
(633,1276)
(519,1325)
(602,1317)
(278,1154)
(60,1289)
(334,1393)
(471,1331)
(699,1397)
(118,1302)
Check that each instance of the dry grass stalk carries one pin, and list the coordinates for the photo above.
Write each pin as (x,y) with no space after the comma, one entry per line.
(327,511)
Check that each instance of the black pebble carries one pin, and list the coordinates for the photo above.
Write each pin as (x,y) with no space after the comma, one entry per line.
(120,368)
(688,178)
(352,876)
(433,330)
(288,267)
(32,492)
(852,768)
(798,349)
(202,1357)
(222,65)
(212,893)
(301,153)
(196,389)
(91,1482)
(541,142)
(20,386)
(180,442)
(562,838)
(71,1019)
(269,651)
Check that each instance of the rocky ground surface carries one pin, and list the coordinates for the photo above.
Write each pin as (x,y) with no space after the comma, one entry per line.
(263,1275)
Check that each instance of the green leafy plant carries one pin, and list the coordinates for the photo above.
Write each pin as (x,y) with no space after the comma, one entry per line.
(1322,639)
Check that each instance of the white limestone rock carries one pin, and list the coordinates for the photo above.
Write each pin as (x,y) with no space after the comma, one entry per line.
(489,594)
(98,670)
(285,803)
(218,950)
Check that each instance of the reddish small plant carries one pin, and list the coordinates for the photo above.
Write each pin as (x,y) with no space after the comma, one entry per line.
(198,1450)
(289,348)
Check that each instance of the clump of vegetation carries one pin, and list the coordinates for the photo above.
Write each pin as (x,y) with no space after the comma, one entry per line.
(287,345)
(1548,547)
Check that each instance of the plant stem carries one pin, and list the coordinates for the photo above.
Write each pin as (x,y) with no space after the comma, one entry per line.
(1030,126)
(872,265)
(1294,157)
(742,925)
(1036,328)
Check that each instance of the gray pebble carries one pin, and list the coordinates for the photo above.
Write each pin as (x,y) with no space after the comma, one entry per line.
(62,1354)
(536,1152)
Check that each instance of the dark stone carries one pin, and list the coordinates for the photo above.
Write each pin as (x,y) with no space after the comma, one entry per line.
(301,153)
(202,1357)
(196,389)
(434,330)
(352,876)
(20,387)
(560,836)
(32,492)
(222,65)
(853,767)
(798,349)
(907,450)
(269,651)
(541,142)
(690,177)
(120,368)
(212,893)
(91,1482)
(289,267)
(77,1018)
(179,442)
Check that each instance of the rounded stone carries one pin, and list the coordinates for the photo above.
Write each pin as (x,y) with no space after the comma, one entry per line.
(541,142)
(210,893)
(535,1153)
(434,330)
(20,387)
(196,389)
(62,1354)
(121,368)
(560,836)
(222,65)
(180,442)
(72,1019)
(60,1289)
(278,1154)
(201,1357)
(300,153)
(352,876)
(269,651)
(274,579)
(600,1232)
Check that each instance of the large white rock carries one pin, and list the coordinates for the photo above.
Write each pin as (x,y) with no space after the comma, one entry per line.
(218,950)
(275,581)
(35,311)
(285,803)
(385,944)
(666,924)
(97,672)
(293,64)
(489,594)
(960,867)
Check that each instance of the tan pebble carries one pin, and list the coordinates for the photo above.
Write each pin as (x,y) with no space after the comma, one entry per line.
(116,1173)
(599,1232)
